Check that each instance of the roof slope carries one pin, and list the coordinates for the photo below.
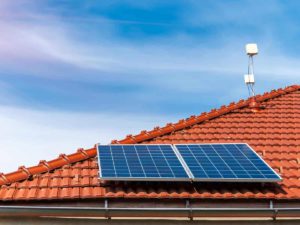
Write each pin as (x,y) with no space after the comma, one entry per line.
(274,132)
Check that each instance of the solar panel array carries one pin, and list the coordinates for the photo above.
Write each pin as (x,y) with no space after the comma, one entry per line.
(184,162)
(139,162)
(228,162)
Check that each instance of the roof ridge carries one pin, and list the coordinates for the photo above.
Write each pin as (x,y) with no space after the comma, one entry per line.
(192,120)
(24,173)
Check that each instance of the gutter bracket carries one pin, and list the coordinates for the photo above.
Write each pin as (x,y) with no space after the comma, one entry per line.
(274,210)
(190,210)
(106,209)
(271,204)
(275,214)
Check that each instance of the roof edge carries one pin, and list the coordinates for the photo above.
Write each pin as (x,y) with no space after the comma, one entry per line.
(184,123)
(44,166)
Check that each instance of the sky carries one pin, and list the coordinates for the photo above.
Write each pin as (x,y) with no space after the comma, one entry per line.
(76,73)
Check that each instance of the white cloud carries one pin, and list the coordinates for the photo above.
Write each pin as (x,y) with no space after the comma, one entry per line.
(34,45)
(37,42)
(27,136)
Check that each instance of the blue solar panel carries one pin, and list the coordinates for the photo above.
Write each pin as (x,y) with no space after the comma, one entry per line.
(225,162)
(140,162)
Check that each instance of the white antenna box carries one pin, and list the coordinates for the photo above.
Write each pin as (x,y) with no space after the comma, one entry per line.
(249,79)
(251,49)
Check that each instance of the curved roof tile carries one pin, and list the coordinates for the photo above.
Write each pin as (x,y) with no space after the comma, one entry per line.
(273,132)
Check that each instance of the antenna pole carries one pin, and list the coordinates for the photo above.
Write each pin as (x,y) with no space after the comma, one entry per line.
(251,71)
(251,50)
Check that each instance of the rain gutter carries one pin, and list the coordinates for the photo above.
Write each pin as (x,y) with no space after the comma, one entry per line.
(104,212)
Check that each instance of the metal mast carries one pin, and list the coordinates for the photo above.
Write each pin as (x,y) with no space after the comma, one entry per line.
(251,50)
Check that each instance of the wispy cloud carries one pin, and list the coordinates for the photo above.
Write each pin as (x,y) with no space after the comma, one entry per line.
(23,45)
(45,45)
(46,39)
(28,136)
(59,59)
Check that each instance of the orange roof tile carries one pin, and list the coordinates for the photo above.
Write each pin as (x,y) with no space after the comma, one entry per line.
(273,132)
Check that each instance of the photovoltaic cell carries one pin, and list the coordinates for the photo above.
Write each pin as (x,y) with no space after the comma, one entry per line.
(225,162)
(140,162)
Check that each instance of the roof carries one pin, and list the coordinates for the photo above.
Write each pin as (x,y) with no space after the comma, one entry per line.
(274,132)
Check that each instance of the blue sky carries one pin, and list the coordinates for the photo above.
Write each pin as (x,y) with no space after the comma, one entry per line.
(75,73)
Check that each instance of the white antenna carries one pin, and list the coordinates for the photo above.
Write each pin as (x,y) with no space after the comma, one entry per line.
(251,50)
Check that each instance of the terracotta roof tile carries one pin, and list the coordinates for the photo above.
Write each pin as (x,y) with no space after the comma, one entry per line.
(64,192)
(274,132)
(87,192)
(53,192)
(65,181)
(9,193)
(43,193)
(32,193)
(55,182)
(75,192)
(21,193)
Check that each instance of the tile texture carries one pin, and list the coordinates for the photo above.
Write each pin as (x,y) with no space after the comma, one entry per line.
(273,131)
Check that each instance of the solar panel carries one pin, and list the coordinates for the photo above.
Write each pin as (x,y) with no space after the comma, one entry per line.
(225,162)
(140,162)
